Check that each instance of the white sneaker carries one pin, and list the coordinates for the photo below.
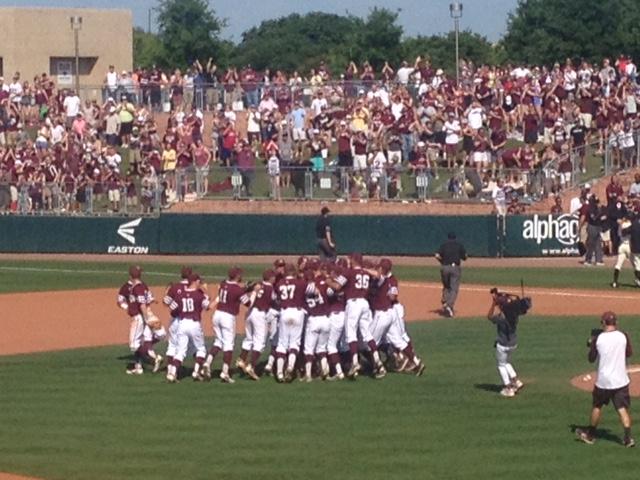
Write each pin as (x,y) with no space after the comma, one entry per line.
(381,372)
(338,376)
(507,392)
(136,370)
(517,385)
(324,374)
(306,379)
(353,371)
(171,378)
(241,364)
(225,378)
(205,372)
(251,373)
(157,363)
(268,370)
(280,378)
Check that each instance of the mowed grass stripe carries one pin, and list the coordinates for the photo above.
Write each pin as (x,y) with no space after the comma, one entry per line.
(21,276)
(76,415)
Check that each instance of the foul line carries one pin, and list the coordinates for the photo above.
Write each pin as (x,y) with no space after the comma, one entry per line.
(597,294)
(62,270)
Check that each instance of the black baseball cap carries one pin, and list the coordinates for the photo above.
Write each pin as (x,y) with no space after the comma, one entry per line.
(325,210)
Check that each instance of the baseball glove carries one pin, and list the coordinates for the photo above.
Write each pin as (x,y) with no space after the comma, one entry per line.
(153,321)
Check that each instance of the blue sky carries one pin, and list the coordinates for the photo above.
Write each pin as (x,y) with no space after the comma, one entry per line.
(427,17)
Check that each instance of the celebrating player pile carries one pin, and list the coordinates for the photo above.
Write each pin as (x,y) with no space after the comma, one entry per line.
(321,319)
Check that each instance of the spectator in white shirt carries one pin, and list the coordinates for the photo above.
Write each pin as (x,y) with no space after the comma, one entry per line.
(71,105)
(611,348)
(113,158)
(404,72)
(318,104)
(475,115)
(452,131)
(15,89)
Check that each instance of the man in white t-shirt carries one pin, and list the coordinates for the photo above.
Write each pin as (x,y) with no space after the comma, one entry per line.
(611,348)
(71,105)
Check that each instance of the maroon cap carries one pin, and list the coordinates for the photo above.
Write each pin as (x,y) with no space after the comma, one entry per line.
(302,261)
(194,277)
(279,263)
(357,257)
(289,269)
(267,274)
(235,272)
(135,271)
(609,318)
(185,272)
(386,264)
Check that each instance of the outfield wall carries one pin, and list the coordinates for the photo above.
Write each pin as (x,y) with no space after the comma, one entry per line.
(484,236)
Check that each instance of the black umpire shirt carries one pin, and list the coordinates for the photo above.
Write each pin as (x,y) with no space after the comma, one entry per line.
(452,253)
(322,227)
(635,235)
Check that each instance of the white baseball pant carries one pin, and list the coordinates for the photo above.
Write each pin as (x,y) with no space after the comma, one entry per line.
(273,317)
(190,334)
(358,316)
(386,327)
(503,359)
(624,253)
(317,335)
(151,335)
(336,332)
(136,332)
(399,308)
(255,331)
(290,330)
(224,329)
(172,342)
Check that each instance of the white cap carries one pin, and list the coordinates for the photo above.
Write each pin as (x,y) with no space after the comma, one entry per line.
(587,186)
(421,144)
(439,72)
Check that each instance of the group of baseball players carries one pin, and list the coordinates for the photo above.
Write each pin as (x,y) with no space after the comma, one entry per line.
(320,319)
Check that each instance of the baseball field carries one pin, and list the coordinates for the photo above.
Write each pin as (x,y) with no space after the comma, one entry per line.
(70,412)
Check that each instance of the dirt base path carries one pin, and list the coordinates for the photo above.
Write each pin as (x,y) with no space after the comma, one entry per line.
(44,321)
(586,381)
(10,476)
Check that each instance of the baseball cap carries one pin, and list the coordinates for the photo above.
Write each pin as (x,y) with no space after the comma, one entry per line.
(185,272)
(302,260)
(234,272)
(135,271)
(194,277)
(267,274)
(356,257)
(587,186)
(386,264)
(279,263)
(609,318)
(325,210)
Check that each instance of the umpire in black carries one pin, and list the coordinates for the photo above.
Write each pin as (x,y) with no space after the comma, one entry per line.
(324,236)
(451,254)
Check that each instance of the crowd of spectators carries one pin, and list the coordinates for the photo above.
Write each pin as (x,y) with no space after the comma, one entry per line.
(512,131)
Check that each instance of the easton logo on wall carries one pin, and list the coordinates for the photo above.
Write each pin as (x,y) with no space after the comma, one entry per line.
(128,232)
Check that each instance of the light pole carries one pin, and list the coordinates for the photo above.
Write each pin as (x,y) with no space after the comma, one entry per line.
(76,26)
(455,9)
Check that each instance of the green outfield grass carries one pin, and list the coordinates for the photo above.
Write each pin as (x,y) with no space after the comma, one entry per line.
(24,276)
(76,415)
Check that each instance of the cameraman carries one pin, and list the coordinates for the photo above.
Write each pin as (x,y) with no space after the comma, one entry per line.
(506,322)
(611,347)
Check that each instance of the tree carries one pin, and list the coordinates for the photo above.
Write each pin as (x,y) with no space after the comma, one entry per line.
(147,49)
(545,31)
(188,30)
(378,38)
(440,49)
(296,42)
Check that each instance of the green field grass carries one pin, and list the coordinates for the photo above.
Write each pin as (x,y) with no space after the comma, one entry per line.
(24,276)
(76,415)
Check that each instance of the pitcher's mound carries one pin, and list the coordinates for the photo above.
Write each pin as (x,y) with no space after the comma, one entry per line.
(586,381)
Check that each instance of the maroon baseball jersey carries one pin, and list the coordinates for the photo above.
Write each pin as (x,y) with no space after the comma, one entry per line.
(137,295)
(318,303)
(381,300)
(189,304)
(172,293)
(291,292)
(230,296)
(264,297)
(355,283)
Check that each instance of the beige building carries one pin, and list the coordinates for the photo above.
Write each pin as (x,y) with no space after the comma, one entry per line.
(41,40)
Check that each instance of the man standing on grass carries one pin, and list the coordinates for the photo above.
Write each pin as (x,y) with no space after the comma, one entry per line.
(611,347)
(450,255)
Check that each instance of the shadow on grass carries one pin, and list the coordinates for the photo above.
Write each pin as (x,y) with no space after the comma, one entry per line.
(601,433)
(488,387)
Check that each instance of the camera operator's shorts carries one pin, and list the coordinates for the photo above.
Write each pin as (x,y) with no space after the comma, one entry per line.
(619,397)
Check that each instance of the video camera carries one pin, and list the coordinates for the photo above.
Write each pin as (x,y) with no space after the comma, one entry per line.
(595,332)
(510,303)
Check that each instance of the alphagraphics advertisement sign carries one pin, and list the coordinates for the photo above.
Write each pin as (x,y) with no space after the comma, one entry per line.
(543,235)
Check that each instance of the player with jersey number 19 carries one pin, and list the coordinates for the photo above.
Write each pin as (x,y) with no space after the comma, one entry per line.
(134,297)
(231,294)
(256,326)
(171,294)
(189,305)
